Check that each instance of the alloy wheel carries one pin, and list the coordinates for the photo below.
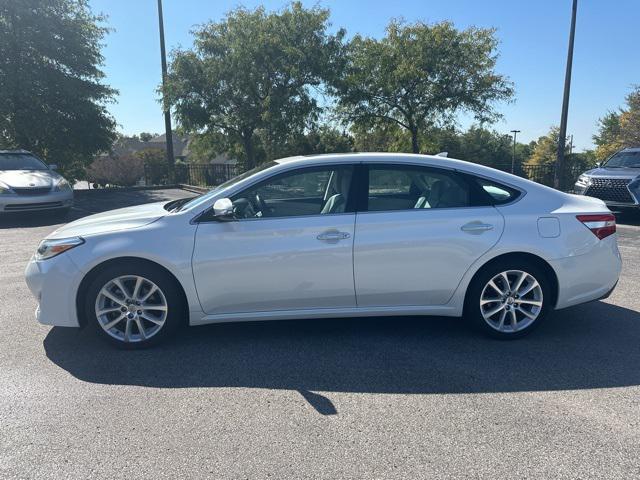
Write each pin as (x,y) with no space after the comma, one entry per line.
(511,301)
(131,308)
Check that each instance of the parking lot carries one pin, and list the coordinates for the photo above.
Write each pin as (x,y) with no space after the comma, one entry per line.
(357,398)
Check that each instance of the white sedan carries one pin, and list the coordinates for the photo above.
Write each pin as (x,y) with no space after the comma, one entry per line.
(332,236)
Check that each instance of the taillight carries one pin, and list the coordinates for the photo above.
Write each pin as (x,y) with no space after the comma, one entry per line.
(602,225)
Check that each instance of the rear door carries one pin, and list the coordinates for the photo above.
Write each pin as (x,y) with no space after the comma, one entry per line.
(422,229)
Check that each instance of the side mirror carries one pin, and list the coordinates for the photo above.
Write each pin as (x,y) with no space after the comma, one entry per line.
(53,166)
(598,164)
(223,209)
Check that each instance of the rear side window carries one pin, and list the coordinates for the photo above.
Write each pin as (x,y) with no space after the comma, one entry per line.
(498,193)
(406,187)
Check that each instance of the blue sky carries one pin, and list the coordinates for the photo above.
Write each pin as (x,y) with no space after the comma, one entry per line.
(533,48)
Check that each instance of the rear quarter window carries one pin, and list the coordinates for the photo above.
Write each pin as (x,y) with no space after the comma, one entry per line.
(497,193)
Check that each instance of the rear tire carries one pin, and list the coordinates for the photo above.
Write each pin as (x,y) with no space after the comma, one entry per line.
(134,306)
(509,299)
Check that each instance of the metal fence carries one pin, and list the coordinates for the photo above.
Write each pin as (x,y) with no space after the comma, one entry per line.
(544,173)
(201,175)
(209,175)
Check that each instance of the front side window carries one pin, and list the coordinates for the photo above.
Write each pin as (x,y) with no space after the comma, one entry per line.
(310,191)
(409,187)
(20,161)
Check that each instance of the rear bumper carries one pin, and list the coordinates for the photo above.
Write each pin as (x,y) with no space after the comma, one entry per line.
(34,203)
(590,276)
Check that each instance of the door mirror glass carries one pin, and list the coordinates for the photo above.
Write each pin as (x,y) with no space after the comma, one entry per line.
(223,209)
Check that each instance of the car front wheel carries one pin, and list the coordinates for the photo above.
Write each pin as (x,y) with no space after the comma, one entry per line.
(508,300)
(133,306)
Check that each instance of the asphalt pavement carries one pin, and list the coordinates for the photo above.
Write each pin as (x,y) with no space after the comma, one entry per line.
(379,398)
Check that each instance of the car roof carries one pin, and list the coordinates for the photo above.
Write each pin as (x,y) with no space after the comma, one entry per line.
(416,159)
(14,151)
(631,149)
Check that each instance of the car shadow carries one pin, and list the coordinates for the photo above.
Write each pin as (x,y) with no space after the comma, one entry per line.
(591,346)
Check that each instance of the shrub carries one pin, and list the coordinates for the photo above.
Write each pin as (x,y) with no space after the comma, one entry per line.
(124,171)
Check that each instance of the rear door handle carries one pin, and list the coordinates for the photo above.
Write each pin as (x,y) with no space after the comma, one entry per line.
(476,227)
(333,236)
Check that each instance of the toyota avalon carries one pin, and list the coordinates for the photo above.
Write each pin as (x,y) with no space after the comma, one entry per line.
(332,236)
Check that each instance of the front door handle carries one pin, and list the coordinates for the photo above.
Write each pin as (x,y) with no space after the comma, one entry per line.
(476,227)
(333,236)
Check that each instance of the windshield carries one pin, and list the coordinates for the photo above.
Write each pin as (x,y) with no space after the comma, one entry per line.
(624,159)
(223,186)
(20,161)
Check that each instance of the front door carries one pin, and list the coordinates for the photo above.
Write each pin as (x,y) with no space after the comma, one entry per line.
(290,248)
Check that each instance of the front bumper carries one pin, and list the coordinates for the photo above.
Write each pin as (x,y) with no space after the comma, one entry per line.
(590,276)
(54,282)
(30,203)
(614,192)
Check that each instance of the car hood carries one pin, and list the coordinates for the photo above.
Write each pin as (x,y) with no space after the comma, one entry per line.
(113,220)
(28,178)
(624,172)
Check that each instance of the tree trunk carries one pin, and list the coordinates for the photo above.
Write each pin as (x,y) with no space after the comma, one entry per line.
(247,143)
(414,140)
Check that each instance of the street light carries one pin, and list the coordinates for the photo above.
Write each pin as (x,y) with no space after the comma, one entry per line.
(562,137)
(513,157)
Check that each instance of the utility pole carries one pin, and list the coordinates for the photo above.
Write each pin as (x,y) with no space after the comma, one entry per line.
(570,137)
(513,157)
(562,138)
(167,110)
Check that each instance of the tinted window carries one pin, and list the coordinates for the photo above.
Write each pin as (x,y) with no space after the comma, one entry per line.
(20,161)
(498,193)
(408,187)
(624,159)
(317,191)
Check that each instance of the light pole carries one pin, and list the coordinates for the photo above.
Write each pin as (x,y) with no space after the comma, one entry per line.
(562,137)
(513,157)
(167,110)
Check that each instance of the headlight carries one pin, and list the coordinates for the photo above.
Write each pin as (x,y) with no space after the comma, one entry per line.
(584,180)
(61,185)
(4,189)
(51,248)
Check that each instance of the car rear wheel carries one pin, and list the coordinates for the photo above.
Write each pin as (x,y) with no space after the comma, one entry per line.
(134,306)
(509,299)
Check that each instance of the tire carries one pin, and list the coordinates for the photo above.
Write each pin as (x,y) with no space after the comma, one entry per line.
(529,307)
(117,318)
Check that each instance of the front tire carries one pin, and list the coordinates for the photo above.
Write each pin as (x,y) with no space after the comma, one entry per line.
(507,300)
(134,306)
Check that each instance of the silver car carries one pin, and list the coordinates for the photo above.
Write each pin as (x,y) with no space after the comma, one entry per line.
(359,235)
(616,181)
(28,184)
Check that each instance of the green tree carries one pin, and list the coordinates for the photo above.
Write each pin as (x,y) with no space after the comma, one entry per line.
(487,147)
(421,75)
(254,73)
(607,139)
(546,148)
(621,129)
(52,99)
(630,120)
